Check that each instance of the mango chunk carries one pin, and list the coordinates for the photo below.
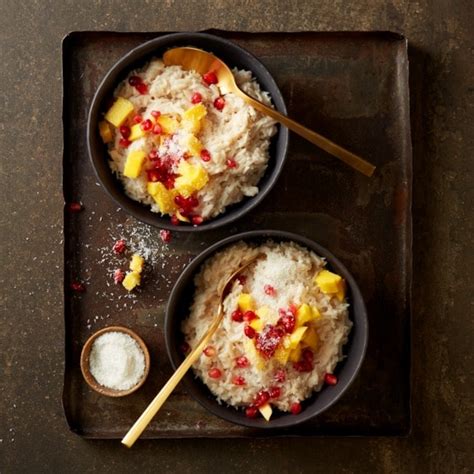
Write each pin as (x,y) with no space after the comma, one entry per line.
(296,336)
(266,411)
(192,178)
(257,324)
(136,132)
(168,124)
(105,131)
(282,354)
(253,355)
(192,118)
(328,282)
(315,311)
(131,280)
(137,262)
(295,354)
(163,197)
(134,163)
(194,146)
(245,302)
(341,294)
(118,113)
(310,338)
(303,315)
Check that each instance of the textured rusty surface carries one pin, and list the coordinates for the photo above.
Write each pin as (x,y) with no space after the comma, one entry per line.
(353,87)
(34,436)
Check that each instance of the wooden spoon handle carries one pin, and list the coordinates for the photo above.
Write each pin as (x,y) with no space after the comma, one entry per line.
(139,426)
(332,148)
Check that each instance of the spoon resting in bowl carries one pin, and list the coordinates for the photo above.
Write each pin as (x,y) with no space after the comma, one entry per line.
(203,62)
(139,426)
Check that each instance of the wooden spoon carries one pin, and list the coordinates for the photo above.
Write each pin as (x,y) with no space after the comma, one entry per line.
(202,62)
(137,429)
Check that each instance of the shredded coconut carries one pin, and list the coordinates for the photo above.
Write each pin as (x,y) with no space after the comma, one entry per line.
(117,361)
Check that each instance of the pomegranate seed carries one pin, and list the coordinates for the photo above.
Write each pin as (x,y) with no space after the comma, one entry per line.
(155,113)
(330,379)
(280,375)
(249,332)
(303,366)
(134,80)
(169,183)
(142,88)
(146,125)
(137,118)
(77,286)
(261,398)
(119,246)
(193,201)
(209,351)
(251,412)
(174,220)
(124,131)
(205,155)
(275,392)
(295,408)
(165,235)
(124,142)
(249,316)
(74,207)
(242,362)
(215,373)
(269,290)
(238,380)
(287,320)
(210,78)
(308,355)
(196,98)
(119,275)
(231,163)
(184,347)
(242,279)
(153,155)
(157,130)
(153,175)
(197,220)
(237,316)
(219,103)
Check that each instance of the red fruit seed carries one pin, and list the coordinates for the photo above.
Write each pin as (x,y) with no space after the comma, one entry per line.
(74,207)
(237,316)
(238,380)
(295,408)
(280,375)
(219,103)
(261,398)
(137,118)
(209,351)
(119,246)
(77,286)
(205,155)
(124,131)
(142,88)
(184,347)
(231,163)
(124,142)
(269,290)
(249,332)
(249,316)
(165,235)
(119,275)
(242,362)
(330,379)
(197,220)
(157,130)
(196,98)
(275,392)
(155,113)
(174,220)
(146,125)
(251,412)
(210,78)
(134,80)
(215,373)
(242,279)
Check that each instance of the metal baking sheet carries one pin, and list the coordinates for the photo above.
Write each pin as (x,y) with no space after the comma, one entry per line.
(352,87)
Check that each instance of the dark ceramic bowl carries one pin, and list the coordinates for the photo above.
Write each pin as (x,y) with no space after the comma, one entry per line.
(234,56)
(178,308)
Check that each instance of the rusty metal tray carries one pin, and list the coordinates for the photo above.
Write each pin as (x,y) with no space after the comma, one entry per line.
(353,87)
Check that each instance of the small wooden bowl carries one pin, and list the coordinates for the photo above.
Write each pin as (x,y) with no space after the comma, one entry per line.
(89,378)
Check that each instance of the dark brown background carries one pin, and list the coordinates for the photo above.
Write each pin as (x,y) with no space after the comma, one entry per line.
(33,432)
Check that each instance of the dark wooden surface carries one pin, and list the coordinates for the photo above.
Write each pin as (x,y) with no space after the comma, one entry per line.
(33,432)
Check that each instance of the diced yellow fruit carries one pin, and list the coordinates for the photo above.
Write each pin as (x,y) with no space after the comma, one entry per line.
(263,312)
(168,124)
(303,315)
(341,294)
(282,354)
(266,411)
(295,354)
(315,311)
(286,342)
(310,338)
(194,146)
(245,302)
(296,336)
(136,132)
(118,113)
(192,178)
(181,217)
(163,197)
(105,131)
(329,282)
(192,118)
(131,280)
(134,163)
(257,324)
(137,262)
(253,355)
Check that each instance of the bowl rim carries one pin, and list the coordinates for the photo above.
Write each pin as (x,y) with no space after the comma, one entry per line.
(145,51)
(356,298)
(85,363)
